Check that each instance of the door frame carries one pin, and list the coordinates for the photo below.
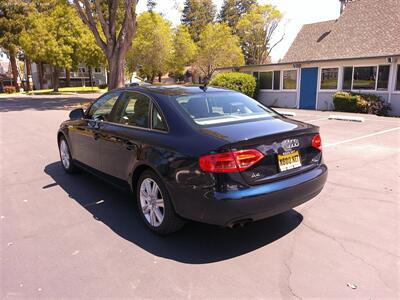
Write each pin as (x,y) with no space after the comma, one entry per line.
(316,87)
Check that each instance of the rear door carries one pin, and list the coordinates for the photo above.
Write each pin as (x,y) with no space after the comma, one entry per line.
(121,140)
(84,135)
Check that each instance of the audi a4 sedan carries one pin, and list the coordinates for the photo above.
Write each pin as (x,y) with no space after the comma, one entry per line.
(189,153)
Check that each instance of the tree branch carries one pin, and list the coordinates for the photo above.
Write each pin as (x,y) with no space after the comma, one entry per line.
(103,23)
(112,14)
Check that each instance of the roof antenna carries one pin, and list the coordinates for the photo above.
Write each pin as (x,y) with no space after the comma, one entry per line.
(206,81)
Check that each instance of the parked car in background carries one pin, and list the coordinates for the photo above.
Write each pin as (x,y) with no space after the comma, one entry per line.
(189,153)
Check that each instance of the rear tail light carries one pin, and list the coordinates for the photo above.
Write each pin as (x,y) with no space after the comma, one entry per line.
(234,161)
(316,142)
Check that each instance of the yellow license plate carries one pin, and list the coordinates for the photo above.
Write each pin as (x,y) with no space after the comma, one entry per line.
(289,161)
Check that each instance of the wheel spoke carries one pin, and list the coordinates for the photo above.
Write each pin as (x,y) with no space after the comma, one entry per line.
(146,209)
(154,189)
(158,214)
(160,202)
(152,217)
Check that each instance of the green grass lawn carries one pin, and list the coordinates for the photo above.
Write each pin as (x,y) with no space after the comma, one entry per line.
(68,90)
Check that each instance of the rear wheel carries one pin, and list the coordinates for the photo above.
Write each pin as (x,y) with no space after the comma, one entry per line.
(155,206)
(65,156)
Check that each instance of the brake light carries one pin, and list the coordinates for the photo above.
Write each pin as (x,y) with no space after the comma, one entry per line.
(234,161)
(316,142)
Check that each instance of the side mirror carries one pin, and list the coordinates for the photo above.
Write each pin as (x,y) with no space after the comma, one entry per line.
(77,114)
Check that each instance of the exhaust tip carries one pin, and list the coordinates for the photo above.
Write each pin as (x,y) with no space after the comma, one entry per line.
(239,223)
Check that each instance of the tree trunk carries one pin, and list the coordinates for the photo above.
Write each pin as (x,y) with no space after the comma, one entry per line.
(28,73)
(40,69)
(67,77)
(56,79)
(90,77)
(14,69)
(159,78)
(116,65)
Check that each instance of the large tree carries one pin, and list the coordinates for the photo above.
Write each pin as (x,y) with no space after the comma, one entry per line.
(151,47)
(256,29)
(113,25)
(218,47)
(196,15)
(56,37)
(232,10)
(184,50)
(12,23)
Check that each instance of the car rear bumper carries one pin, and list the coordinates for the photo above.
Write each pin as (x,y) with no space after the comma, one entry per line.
(256,202)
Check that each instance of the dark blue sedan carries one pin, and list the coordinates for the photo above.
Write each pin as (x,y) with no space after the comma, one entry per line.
(189,153)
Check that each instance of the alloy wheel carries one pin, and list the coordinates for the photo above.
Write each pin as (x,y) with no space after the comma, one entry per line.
(152,202)
(64,153)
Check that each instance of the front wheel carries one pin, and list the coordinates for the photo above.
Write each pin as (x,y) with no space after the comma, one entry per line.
(155,206)
(65,156)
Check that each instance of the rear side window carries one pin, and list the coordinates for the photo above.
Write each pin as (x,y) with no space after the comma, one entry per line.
(135,111)
(217,108)
(157,120)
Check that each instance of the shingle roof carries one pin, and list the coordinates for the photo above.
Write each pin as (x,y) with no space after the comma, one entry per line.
(367,28)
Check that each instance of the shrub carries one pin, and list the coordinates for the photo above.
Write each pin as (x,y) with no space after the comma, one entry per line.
(9,89)
(360,103)
(240,82)
(103,86)
(346,102)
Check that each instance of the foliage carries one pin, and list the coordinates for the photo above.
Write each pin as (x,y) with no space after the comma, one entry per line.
(240,82)
(196,15)
(9,89)
(256,29)
(218,47)
(360,103)
(231,11)
(184,51)
(113,26)
(152,47)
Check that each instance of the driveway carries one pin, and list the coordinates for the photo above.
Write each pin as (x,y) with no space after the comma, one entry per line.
(74,236)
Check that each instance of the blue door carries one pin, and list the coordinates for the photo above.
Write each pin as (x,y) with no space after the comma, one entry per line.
(308,88)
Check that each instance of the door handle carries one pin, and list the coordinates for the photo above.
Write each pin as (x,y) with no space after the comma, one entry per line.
(130,146)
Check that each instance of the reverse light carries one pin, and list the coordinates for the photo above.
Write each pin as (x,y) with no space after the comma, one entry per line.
(316,142)
(234,161)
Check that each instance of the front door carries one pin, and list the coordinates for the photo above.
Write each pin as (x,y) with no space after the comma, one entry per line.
(84,134)
(308,88)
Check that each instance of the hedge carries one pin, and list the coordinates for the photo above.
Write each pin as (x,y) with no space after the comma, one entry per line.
(9,89)
(237,81)
(360,103)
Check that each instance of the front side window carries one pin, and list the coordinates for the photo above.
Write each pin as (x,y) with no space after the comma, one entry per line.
(329,78)
(347,78)
(364,78)
(290,80)
(135,110)
(398,78)
(216,108)
(383,78)
(102,108)
(266,80)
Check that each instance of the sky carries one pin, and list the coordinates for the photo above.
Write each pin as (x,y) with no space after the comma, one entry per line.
(296,14)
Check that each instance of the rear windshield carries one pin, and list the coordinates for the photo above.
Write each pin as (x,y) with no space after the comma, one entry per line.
(217,108)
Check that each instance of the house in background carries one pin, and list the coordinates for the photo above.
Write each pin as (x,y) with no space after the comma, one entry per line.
(80,77)
(359,52)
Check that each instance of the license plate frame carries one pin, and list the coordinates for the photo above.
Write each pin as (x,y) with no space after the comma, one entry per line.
(289,161)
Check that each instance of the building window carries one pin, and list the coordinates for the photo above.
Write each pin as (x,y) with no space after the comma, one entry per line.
(82,70)
(290,80)
(329,78)
(398,78)
(383,78)
(97,70)
(277,80)
(364,78)
(266,80)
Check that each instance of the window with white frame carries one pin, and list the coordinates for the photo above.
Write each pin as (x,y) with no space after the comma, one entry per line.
(375,78)
(82,70)
(97,70)
(398,78)
(329,78)
(289,79)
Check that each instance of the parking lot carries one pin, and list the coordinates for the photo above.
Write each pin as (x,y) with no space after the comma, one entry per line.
(75,236)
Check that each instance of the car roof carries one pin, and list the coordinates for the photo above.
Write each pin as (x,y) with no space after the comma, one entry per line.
(174,90)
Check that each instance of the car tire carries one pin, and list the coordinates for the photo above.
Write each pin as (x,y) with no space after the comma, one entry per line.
(155,206)
(65,156)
